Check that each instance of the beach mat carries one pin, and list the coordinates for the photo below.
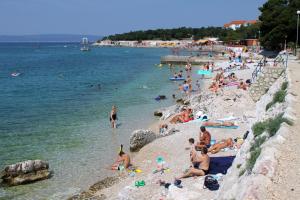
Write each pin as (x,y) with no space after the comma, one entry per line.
(220,164)
(226,127)
(204,72)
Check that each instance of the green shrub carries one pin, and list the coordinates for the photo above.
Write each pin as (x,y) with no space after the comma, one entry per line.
(253,157)
(258,142)
(242,172)
(274,124)
(284,85)
(279,96)
(258,128)
(271,125)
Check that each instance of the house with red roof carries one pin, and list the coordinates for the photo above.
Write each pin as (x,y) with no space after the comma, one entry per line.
(238,23)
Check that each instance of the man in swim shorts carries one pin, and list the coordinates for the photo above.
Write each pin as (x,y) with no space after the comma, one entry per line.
(199,170)
(204,138)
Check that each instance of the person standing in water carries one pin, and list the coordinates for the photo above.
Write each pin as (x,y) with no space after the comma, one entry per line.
(113,117)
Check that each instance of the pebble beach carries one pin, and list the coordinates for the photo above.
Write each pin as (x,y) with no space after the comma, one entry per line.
(228,102)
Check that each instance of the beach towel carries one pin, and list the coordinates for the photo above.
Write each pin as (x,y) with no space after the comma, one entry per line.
(231,118)
(201,119)
(227,127)
(232,84)
(204,72)
(220,164)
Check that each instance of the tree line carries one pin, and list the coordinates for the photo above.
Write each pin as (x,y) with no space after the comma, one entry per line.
(247,32)
(277,26)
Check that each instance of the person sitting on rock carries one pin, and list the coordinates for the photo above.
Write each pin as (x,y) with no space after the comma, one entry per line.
(200,167)
(204,138)
(123,161)
(228,143)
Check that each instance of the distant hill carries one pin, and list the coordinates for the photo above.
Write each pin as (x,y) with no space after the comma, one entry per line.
(47,38)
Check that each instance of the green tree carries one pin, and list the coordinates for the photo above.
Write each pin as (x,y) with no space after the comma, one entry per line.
(278,20)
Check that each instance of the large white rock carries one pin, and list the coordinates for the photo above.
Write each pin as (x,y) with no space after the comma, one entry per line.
(140,138)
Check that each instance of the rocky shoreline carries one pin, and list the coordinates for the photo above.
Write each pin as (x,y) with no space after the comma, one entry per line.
(255,162)
(229,102)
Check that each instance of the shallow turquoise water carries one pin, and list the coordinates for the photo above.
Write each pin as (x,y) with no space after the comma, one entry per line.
(57,109)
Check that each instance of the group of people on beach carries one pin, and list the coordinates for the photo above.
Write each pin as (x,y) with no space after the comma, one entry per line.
(221,81)
(199,150)
(199,158)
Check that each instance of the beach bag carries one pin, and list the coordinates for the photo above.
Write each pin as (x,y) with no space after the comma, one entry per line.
(211,183)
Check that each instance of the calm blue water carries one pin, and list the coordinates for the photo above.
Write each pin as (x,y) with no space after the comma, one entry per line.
(57,109)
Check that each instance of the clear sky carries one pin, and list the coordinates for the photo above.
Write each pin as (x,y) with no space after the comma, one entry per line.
(102,17)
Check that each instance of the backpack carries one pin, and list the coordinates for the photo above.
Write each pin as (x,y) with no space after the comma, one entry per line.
(211,183)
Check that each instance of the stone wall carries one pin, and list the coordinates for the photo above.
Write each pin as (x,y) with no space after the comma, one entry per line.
(239,184)
(265,79)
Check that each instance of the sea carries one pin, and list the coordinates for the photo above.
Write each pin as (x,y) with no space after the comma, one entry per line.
(57,109)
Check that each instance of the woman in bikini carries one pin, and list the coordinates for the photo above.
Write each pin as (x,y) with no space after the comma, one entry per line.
(113,117)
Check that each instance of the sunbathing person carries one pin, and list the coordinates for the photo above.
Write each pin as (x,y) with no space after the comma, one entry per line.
(204,138)
(242,86)
(200,166)
(232,77)
(225,123)
(180,117)
(123,161)
(228,143)
(214,87)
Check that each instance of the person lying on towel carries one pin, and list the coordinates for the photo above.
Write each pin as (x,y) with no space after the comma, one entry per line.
(228,143)
(225,123)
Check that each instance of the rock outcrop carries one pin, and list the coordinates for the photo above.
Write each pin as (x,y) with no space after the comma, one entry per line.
(25,172)
(140,138)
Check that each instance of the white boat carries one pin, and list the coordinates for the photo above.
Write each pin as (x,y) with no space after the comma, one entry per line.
(85,44)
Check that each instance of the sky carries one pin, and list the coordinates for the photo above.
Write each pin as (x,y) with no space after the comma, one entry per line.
(104,17)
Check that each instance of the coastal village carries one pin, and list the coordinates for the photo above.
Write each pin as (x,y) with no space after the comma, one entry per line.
(184,43)
(231,134)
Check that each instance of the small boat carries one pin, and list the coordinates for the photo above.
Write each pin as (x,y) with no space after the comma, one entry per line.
(15,74)
(85,44)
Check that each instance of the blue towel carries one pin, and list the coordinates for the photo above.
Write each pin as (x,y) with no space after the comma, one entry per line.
(220,164)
